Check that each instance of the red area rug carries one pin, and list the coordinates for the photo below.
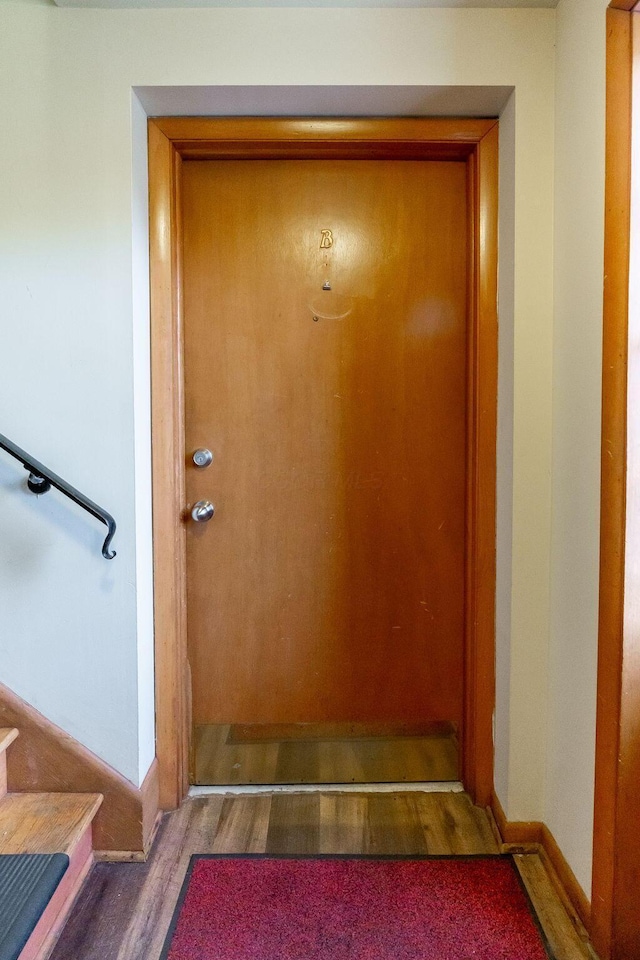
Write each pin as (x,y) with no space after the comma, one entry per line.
(354,908)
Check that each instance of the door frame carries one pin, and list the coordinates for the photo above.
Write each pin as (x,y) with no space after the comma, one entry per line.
(615,909)
(172,140)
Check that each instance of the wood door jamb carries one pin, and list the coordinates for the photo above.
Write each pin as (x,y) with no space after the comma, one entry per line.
(171,140)
(614,912)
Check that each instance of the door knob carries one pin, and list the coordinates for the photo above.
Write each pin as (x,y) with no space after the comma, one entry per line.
(202,511)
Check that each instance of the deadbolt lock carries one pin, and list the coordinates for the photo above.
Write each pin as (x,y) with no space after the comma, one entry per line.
(202,457)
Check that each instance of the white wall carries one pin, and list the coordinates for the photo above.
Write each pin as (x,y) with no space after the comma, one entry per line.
(577,357)
(69,620)
(76,641)
(504,477)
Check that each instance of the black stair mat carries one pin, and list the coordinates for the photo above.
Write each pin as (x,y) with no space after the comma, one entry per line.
(27,883)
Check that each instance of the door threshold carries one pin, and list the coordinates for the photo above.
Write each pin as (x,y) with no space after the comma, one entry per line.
(447,786)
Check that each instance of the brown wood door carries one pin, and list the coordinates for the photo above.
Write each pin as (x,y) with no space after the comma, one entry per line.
(325,319)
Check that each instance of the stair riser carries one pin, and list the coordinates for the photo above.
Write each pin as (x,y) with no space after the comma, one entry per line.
(53,919)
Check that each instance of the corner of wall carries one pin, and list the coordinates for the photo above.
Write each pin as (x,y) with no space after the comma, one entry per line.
(504,517)
(577,375)
(142,437)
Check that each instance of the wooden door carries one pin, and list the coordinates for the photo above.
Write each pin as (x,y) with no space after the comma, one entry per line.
(325,318)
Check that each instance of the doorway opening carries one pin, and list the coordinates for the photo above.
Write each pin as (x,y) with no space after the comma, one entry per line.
(178,292)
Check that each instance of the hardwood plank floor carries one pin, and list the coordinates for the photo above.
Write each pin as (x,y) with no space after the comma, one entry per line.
(125,909)
(323,753)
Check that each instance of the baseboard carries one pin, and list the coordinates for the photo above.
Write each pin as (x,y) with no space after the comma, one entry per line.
(531,835)
(46,759)
(521,835)
(566,877)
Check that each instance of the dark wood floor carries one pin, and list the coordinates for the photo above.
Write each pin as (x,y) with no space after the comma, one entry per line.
(124,910)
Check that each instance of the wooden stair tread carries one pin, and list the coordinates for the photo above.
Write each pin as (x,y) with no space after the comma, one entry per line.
(45,822)
(7,736)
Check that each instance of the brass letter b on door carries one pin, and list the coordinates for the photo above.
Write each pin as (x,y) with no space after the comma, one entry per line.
(327,239)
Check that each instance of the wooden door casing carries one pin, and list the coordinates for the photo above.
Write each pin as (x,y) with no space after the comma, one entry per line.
(615,908)
(171,141)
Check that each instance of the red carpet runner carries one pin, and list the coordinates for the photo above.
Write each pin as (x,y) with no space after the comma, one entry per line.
(347,908)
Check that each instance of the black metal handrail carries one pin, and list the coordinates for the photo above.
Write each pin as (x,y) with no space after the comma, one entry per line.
(41,479)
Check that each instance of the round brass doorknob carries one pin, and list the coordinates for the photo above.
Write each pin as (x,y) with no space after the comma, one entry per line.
(202,511)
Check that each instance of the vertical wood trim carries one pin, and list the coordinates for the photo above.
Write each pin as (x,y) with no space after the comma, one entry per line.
(150,791)
(627,5)
(478,757)
(172,720)
(607,841)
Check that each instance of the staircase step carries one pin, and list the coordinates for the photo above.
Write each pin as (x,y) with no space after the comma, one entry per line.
(45,822)
(7,736)
(28,882)
(50,823)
